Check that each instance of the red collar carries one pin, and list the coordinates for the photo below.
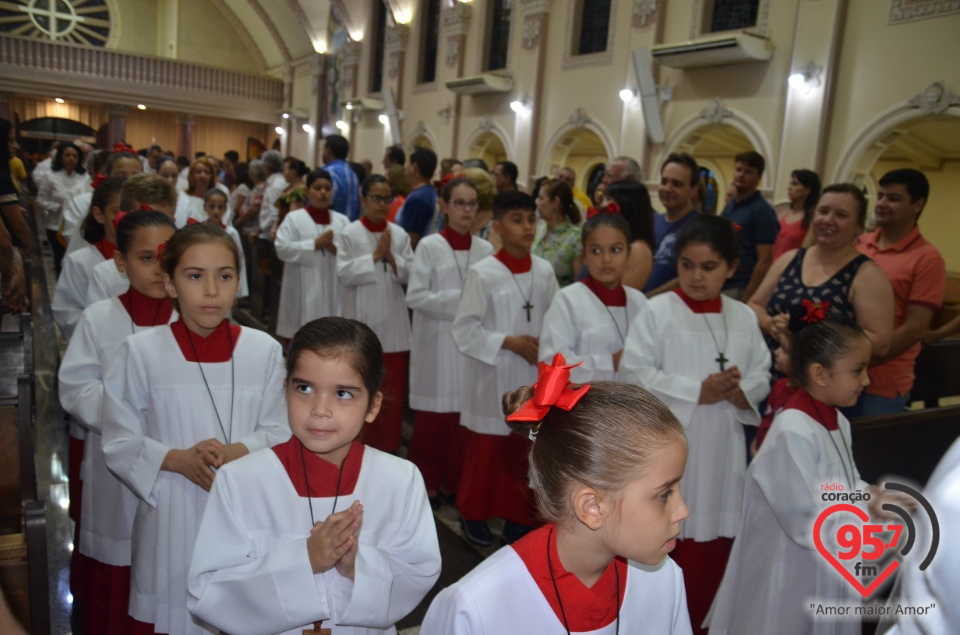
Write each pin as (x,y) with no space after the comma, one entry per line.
(105,247)
(373,226)
(609,297)
(515,265)
(144,310)
(817,410)
(215,348)
(323,475)
(458,242)
(319,216)
(586,609)
(701,306)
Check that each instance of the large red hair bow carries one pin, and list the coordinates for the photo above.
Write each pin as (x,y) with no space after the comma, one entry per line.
(116,220)
(610,208)
(814,311)
(553,389)
(97,180)
(120,146)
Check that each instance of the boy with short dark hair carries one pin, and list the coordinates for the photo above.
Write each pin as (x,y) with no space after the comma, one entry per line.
(497,327)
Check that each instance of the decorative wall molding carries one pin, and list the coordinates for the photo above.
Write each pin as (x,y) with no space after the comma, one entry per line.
(715,112)
(570,60)
(579,118)
(912,10)
(453,50)
(272,28)
(761,28)
(396,39)
(644,12)
(456,20)
(116,109)
(36,66)
(445,113)
(532,27)
(935,99)
(535,7)
(486,124)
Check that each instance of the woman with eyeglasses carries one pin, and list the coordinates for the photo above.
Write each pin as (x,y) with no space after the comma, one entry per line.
(558,237)
(373,264)
(440,265)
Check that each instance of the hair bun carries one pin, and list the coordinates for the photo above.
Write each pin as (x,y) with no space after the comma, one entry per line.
(513,401)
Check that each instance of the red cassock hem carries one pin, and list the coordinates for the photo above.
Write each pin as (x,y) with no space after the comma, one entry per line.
(107,608)
(703,564)
(383,433)
(437,448)
(494,482)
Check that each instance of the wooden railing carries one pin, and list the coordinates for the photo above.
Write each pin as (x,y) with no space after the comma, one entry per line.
(105,64)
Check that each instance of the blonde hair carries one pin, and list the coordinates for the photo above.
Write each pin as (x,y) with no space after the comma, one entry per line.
(486,190)
(151,190)
(605,441)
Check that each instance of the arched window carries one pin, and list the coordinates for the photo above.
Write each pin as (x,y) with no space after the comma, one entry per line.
(594,26)
(429,38)
(379,44)
(84,22)
(730,15)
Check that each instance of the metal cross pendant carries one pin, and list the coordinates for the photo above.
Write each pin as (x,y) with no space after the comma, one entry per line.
(527,308)
(722,360)
(317,629)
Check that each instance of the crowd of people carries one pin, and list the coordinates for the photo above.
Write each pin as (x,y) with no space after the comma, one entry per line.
(586,369)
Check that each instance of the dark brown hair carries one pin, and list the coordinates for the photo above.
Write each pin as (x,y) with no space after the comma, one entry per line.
(91,229)
(129,225)
(555,188)
(604,442)
(341,337)
(196,234)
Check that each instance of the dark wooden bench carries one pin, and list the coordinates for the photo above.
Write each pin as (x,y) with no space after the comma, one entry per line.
(938,373)
(909,444)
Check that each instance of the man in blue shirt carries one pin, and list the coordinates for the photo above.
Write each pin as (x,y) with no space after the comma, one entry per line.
(346,186)
(679,178)
(420,205)
(756,223)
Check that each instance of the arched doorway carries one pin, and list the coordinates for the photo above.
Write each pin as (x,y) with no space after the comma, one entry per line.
(931,144)
(582,150)
(489,147)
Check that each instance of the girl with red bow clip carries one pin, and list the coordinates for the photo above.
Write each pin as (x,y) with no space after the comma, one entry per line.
(605,469)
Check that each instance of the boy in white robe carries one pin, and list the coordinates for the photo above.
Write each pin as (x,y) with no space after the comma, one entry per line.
(505,297)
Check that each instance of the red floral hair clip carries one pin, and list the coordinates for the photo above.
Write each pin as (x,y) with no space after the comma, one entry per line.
(97,180)
(737,226)
(120,146)
(192,221)
(160,249)
(117,218)
(553,389)
(612,208)
(814,311)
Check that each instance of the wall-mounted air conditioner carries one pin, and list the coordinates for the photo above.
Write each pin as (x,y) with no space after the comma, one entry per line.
(714,51)
(480,84)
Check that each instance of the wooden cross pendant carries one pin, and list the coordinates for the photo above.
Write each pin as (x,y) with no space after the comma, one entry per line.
(722,360)
(527,308)
(317,629)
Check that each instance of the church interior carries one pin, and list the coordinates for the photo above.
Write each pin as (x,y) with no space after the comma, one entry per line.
(846,88)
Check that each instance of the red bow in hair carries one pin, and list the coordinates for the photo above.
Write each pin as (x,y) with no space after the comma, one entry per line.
(192,221)
(591,212)
(97,180)
(116,220)
(145,208)
(553,389)
(815,311)
(612,208)
(160,249)
(120,146)
(737,226)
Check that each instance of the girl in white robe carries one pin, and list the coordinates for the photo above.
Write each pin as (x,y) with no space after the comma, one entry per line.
(775,572)
(440,264)
(600,565)
(108,509)
(703,355)
(100,236)
(307,244)
(181,401)
(497,326)
(282,545)
(588,322)
(373,264)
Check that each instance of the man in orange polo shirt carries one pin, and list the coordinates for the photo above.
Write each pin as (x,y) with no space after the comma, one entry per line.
(918,275)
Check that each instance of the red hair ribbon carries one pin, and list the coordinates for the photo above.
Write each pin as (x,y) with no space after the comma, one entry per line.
(192,221)
(737,226)
(97,180)
(553,389)
(120,146)
(815,311)
(144,208)
(160,249)
(116,220)
(610,208)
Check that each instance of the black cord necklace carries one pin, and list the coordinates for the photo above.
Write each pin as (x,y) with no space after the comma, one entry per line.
(626,314)
(526,301)
(457,261)
(721,354)
(306,480)
(849,474)
(207,384)
(556,589)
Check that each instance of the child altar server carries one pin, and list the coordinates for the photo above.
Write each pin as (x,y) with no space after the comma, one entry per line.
(505,297)
(373,264)
(306,243)
(440,265)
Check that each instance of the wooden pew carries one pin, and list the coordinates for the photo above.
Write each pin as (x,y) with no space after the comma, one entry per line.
(909,444)
(938,373)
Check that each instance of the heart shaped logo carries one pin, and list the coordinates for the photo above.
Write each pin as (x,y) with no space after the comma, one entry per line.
(862,515)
